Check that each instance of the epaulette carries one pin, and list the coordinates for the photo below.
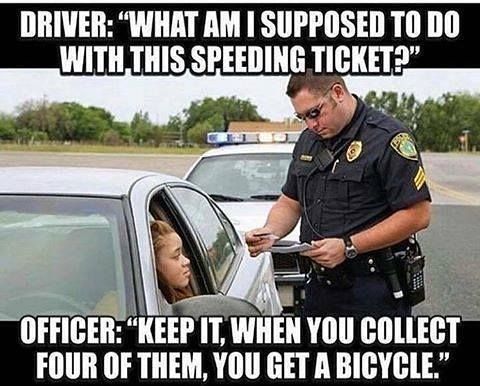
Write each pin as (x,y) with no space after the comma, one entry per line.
(384,122)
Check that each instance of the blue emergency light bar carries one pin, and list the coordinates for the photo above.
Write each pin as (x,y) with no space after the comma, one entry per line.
(221,138)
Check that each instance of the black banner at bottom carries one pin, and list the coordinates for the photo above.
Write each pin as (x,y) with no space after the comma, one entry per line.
(286,349)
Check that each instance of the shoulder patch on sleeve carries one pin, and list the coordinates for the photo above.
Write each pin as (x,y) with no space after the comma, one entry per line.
(404,145)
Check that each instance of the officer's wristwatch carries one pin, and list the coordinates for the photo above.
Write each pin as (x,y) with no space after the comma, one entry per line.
(350,250)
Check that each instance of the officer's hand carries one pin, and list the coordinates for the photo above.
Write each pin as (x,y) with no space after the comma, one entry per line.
(259,240)
(327,252)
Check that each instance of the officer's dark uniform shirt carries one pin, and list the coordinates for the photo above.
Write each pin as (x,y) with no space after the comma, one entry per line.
(376,170)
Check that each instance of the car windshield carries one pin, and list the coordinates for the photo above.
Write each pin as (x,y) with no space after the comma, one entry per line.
(242,177)
(61,255)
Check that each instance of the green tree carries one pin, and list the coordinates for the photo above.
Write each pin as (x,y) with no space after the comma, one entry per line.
(89,123)
(27,136)
(142,127)
(64,130)
(217,113)
(36,116)
(7,127)
(176,125)
(227,108)
(198,133)
(63,121)
(441,121)
(163,134)
(112,138)
(124,131)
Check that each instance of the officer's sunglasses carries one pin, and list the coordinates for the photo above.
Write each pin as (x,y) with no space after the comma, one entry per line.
(314,112)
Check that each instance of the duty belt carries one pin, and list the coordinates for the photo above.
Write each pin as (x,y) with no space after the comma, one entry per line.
(343,275)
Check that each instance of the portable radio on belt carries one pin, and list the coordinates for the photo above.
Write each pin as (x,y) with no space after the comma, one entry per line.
(412,263)
(414,279)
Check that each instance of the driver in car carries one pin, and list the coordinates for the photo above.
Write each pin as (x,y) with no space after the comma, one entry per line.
(173,267)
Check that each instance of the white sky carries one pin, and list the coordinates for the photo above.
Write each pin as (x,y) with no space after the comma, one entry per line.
(165,96)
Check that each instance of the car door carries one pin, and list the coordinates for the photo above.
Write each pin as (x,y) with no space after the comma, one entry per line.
(232,270)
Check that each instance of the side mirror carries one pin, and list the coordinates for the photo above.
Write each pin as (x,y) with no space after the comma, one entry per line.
(214,305)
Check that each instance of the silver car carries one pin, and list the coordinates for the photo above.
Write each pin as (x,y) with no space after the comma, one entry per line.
(77,241)
(246,180)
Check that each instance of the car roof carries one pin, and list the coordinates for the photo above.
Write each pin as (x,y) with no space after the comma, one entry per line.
(250,149)
(73,180)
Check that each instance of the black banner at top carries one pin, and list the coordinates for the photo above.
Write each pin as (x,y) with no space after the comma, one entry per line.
(238,39)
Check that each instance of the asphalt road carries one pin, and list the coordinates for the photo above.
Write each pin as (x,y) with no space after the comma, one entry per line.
(453,178)
(175,165)
(451,244)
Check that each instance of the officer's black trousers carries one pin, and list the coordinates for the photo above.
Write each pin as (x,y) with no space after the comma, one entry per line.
(369,296)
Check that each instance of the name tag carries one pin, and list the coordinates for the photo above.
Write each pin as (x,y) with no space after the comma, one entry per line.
(306,157)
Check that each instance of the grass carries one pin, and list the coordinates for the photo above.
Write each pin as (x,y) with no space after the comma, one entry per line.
(78,148)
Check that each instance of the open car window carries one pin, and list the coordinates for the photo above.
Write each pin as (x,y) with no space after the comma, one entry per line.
(215,233)
(160,208)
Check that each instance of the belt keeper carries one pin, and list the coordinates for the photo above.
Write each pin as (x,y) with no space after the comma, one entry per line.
(364,265)
(372,264)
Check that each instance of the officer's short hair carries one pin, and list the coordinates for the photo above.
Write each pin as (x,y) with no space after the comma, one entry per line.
(317,84)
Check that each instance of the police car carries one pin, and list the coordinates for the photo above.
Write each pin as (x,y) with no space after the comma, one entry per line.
(76,241)
(245,175)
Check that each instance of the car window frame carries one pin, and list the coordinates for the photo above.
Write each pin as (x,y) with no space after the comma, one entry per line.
(188,234)
(141,195)
(238,249)
(135,266)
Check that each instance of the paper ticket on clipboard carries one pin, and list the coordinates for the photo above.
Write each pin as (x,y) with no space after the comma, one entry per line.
(284,246)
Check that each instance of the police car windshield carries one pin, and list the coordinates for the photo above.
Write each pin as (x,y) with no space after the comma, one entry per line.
(246,177)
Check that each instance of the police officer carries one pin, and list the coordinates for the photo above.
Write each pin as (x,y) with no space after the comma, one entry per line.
(357,182)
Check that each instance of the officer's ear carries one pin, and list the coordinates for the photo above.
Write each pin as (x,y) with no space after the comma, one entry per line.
(338,92)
